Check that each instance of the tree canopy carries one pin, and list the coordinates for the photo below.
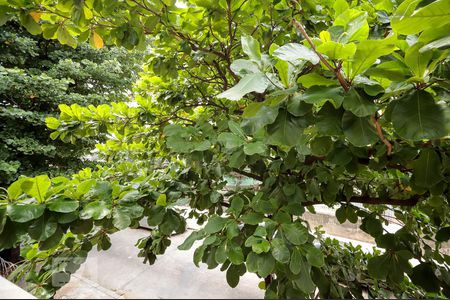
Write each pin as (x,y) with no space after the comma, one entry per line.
(37,75)
(340,103)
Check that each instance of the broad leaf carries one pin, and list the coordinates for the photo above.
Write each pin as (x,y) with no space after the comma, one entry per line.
(359,131)
(296,53)
(416,116)
(249,83)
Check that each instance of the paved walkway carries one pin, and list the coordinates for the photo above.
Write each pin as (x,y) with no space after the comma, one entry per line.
(119,273)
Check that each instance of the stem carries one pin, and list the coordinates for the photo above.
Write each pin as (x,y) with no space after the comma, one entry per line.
(337,71)
(381,135)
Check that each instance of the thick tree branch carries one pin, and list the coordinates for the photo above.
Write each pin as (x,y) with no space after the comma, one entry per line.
(376,201)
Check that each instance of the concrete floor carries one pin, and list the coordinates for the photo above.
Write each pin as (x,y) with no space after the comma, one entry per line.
(119,273)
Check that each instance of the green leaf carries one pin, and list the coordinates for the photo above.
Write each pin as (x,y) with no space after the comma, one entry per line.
(237,203)
(257,115)
(378,266)
(304,282)
(427,169)
(355,25)
(297,107)
(296,53)
(162,200)
(341,214)
(280,251)
(255,148)
(215,224)
(285,131)
(443,234)
(252,218)
(295,233)
(236,129)
(334,50)
(96,210)
(312,79)
(416,116)
(235,255)
(230,140)
(423,276)
(251,47)
(232,276)
(15,189)
(320,94)
(442,43)
(407,21)
(30,24)
(359,131)
(266,264)
(190,240)
(22,213)
(367,52)
(121,220)
(358,104)
(43,228)
(315,257)
(296,261)
(249,83)
(63,205)
(170,223)
(37,187)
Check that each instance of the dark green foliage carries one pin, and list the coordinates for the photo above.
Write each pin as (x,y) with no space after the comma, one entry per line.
(36,75)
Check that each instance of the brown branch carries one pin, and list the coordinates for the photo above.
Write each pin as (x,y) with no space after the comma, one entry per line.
(376,201)
(381,135)
(248,174)
(337,71)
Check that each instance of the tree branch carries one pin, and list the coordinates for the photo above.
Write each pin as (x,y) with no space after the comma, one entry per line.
(381,135)
(376,201)
(337,71)
(248,174)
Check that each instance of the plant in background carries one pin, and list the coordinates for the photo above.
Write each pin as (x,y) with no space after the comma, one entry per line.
(338,103)
(37,75)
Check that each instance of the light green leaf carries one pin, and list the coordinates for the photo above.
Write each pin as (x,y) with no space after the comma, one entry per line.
(249,83)
(162,200)
(417,117)
(251,47)
(334,50)
(442,43)
(312,79)
(37,187)
(367,52)
(355,25)
(359,131)
(407,20)
(296,53)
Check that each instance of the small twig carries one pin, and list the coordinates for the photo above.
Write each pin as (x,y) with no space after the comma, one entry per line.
(337,71)
(381,135)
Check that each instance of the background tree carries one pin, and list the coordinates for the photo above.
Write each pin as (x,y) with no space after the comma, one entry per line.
(37,75)
(321,102)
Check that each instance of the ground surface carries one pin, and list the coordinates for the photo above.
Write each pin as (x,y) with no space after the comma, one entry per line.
(119,273)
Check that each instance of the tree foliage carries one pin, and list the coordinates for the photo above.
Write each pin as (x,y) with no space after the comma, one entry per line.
(320,102)
(37,75)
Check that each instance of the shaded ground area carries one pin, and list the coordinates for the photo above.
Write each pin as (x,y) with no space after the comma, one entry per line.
(119,273)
